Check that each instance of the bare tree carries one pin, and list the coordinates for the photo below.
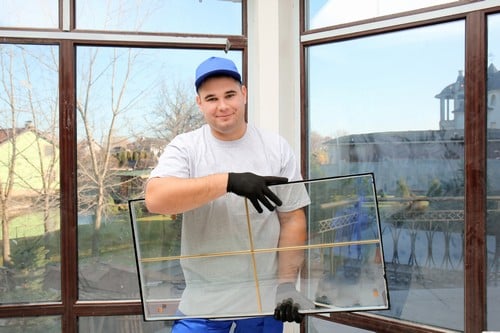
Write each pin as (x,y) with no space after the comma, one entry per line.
(176,111)
(96,160)
(7,180)
(44,114)
(30,170)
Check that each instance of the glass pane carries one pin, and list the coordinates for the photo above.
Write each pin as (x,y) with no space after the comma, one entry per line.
(126,324)
(30,14)
(319,325)
(324,13)
(493,163)
(375,107)
(130,103)
(343,270)
(180,16)
(42,324)
(29,174)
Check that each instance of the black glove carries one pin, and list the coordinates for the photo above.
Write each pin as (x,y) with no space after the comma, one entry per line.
(290,301)
(255,188)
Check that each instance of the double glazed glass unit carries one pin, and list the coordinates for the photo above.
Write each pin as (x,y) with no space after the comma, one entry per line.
(343,268)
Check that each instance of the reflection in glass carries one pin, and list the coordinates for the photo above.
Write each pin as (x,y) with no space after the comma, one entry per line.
(42,324)
(180,16)
(29,174)
(30,14)
(493,174)
(317,325)
(124,324)
(343,269)
(130,104)
(324,13)
(375,107)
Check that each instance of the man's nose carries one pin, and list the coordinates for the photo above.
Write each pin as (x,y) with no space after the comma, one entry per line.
(222,104)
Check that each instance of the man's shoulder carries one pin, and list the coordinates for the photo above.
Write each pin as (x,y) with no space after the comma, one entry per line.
(191,135)
(266,133)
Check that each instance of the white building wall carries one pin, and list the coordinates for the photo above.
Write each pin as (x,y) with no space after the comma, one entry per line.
(274,73)
(274,67)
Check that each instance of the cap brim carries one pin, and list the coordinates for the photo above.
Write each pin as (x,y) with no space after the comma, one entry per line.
(218,72)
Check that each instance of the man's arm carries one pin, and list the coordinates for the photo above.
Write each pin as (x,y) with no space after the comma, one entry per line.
(172,195)
(293,233)
(289,300)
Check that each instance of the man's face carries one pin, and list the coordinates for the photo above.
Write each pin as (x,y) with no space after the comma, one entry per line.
(222,101)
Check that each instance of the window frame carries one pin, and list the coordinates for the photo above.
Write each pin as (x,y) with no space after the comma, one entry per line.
(67,38)
(475,267)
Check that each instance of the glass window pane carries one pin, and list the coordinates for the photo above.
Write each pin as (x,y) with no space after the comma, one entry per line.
(376,107)
(342,270)
(318,325)
(30,14)
(29,174)
(42,324)
(323,13)
(493,160)
(179,16)
(127,324)
(130,103)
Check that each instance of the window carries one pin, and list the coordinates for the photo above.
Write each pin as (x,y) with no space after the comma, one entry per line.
(83,118)
(373,108)
(493,158)
(404,96)
(29,194)
(30,14)
(323,13)
(176,16)
(116,88)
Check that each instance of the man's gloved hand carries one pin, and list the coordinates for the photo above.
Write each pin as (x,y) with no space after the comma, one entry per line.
(290,301)
(255,188)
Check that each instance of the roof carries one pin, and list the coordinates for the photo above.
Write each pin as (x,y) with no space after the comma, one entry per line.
(452,89)
(6,133)
(134,173)
(426,136)
(493,78)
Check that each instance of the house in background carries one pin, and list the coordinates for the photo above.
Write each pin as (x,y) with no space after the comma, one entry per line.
(452,102)
(36,159)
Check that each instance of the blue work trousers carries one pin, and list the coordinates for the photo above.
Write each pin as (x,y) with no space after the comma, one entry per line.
(250,325)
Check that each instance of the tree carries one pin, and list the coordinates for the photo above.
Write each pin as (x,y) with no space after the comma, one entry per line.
(44,115)
(98,125)
(175,112)
(29,176)
(7,180)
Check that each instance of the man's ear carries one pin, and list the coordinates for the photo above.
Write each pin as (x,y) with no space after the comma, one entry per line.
(244,92)
(198,101)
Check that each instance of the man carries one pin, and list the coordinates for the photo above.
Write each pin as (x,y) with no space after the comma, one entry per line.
(204,174)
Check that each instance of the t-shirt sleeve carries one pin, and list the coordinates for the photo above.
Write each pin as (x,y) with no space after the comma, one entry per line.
(174,161)
(289,164)
(294,196)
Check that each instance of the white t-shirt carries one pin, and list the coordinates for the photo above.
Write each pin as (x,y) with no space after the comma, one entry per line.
(226,283)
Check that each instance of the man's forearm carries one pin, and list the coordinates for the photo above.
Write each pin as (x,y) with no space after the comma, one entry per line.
(293,233)
(172,195)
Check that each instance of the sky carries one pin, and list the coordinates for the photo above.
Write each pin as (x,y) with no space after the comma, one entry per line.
(222,16)
(387,82)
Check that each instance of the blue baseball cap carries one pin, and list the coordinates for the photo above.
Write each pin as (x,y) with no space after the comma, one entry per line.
(216,66)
